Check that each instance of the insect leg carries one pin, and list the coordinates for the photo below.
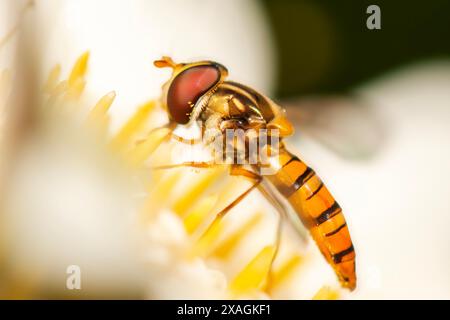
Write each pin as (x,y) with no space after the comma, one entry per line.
(172,135)
(185,141)
(191,142)
(282,211)
(198,165)
(282,215)
(238,171)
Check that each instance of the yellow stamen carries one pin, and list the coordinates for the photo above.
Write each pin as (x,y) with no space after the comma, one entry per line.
(207,240)
(59,89)
(133,125)
(326,293)
(57,93)
(285,271)
(163,189)
(100,110)
(103,125)
(75,89)
(195,191)
(159,193)
(224,249)
(199,213)
(231,189)
(79,70)
(144,149)
(53,79)
(253,276)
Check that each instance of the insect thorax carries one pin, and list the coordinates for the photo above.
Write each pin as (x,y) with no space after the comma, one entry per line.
(234,122)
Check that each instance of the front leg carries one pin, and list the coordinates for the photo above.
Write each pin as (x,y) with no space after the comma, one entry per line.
(171,135)
(239,171)
(198,165)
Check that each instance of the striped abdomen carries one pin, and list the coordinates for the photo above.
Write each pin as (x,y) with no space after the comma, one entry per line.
(319,212)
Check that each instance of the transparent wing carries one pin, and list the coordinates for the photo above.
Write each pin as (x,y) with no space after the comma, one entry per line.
(346,125)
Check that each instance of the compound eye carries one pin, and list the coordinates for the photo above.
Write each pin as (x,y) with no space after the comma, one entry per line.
(187,88)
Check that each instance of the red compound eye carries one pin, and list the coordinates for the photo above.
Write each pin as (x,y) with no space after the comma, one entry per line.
(187,88)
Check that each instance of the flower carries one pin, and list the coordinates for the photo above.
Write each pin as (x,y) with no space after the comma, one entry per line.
(175,250)
(71,176)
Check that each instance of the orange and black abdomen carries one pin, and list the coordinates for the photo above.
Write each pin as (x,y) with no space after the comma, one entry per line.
(319,212)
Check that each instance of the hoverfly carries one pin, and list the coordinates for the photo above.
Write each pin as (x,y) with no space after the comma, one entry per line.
(200,92)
